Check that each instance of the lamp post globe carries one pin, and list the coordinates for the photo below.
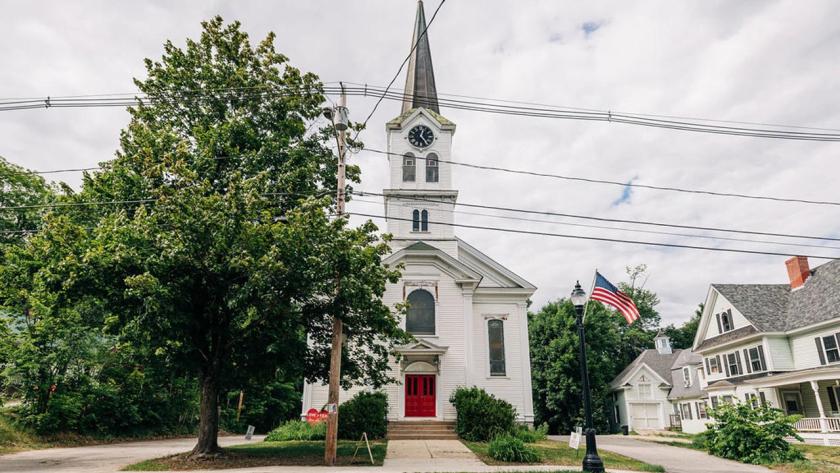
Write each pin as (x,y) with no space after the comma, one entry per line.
(591,461)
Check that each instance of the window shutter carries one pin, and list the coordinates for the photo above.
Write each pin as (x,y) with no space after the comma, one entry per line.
(726,365)
(832,399)
(738,362)
(731,319)
(763,398)
(720,327)
(708,370)
(697,407)
(747,359)
(718,362)
(761,358)
(818,340)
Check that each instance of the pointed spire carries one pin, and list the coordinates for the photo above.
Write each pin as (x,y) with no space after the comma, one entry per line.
(420,88)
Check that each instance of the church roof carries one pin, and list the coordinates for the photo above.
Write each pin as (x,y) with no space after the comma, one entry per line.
(420,90)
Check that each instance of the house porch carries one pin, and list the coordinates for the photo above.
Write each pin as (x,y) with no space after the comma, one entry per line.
(812,394)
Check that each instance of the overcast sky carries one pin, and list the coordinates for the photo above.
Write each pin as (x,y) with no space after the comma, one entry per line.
(755,61)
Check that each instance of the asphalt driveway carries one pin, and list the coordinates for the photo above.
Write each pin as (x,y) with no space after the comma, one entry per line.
(674,459)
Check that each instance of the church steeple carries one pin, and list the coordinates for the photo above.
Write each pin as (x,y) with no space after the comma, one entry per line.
(420,88)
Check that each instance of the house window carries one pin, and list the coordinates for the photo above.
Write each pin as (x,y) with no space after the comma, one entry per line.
(714,367)
(734,363)
(763,399)
(834,398)
(832,352)
(420,319)
(424,221)
(685,411)
(726,320)
(714,400)
(496,339)
(756,359)
(701,410)
(409,169)
(686,372)
(751,399)
(644,391)
(432,168)
(726,399)
(415,221)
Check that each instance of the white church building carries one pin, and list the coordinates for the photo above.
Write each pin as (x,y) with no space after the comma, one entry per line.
(467,312)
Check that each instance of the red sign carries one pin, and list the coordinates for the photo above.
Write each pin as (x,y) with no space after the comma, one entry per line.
(313,416)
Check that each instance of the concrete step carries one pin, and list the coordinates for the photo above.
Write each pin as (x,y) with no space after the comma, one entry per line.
(422,436)
(395,428)
(421,430)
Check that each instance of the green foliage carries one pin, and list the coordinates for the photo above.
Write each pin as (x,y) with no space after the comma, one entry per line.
(508,448)
(683,336)
(481,416)
(700,441)
(752,434)
(365,412)
(531,435)
(22,191)
(220,272)
(298,430)
(267,403)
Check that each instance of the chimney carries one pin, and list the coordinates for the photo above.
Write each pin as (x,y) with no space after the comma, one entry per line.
(798,271)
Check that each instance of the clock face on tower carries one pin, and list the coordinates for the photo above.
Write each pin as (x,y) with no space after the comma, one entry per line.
(421,136)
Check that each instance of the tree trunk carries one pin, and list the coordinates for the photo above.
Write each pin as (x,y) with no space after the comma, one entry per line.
(208,425)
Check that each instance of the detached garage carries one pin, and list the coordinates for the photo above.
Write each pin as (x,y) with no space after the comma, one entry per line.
(640,391)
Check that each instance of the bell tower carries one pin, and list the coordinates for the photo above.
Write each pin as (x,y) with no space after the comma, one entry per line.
(420,201)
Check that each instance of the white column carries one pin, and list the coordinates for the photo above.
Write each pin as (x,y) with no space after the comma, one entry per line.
(467,293)
(823,421)
(524,349)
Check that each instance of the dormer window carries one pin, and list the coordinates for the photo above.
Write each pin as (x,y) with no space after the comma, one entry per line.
(686,371)
(832,351)
(409,170)
(432,168)
(725,321)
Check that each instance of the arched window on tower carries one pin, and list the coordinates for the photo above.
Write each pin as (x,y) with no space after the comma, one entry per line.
(420,318)
(409,169)
(432,168)
(424,221)
(415,221)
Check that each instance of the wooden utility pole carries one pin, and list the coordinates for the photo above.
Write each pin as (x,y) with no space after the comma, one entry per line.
(340,122)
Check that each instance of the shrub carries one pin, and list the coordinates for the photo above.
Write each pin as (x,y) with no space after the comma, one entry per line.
(700,440)
(752,434)
(298,430)
(481,416)
(365,412)
(531,435)
(507,448)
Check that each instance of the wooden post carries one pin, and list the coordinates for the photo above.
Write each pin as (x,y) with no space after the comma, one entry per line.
(331,442)
(239,406)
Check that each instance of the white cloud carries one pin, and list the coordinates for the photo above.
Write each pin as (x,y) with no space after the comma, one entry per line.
(771,62)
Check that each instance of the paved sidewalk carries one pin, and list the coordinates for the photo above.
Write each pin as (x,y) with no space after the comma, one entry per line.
(674,459)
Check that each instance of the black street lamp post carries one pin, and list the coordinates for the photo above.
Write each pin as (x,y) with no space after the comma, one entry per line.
(591,461)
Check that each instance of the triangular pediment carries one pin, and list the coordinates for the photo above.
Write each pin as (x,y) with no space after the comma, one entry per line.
(421,252)
(421,347)
(408,118)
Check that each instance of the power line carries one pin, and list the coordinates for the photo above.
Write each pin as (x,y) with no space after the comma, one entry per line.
(399,71)
(614,220)
(615,183)
(610,240)
(603,227)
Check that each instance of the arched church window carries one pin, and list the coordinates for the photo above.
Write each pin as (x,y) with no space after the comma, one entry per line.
(415,221)
(424,221)
(420,319)
(432,168)
(409,169)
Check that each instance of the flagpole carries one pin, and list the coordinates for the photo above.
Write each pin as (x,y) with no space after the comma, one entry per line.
(589,296)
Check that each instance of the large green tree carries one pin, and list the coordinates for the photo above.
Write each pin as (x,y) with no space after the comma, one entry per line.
(21,194)
(220,255)
(683,336)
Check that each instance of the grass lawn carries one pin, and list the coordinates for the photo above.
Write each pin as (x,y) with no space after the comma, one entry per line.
(267,454)
(13,439)
(558,453)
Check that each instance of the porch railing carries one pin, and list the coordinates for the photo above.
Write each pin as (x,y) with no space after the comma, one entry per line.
(815,424)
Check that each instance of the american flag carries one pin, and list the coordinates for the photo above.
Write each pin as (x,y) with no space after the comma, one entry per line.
(605,292)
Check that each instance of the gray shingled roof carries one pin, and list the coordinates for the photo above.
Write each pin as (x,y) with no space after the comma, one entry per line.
(660,364)
(775,308)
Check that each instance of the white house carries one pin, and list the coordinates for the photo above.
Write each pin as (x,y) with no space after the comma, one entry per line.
(778,344)
(640,391)
(467,312)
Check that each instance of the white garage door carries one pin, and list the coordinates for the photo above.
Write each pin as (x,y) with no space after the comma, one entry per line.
(645,416)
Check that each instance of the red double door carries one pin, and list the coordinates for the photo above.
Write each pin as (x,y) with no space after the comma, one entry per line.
(420,395)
